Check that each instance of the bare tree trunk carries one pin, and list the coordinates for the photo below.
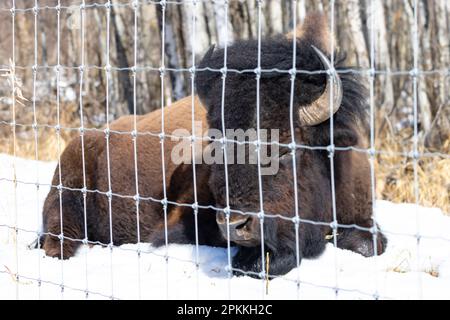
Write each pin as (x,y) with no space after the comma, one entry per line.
(223,36)
(180,23)
(124,77)
(102,48)
(384,92)
(268,17)
(438,86)
(173,61)
(350,33)
(301,11)
(317,6)
(206,20)
(286,11)
(382,56)
(238,19)
(45,56)
(425,62)
(274,17)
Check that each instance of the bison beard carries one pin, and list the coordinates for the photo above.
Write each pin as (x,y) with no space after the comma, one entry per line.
(352,171)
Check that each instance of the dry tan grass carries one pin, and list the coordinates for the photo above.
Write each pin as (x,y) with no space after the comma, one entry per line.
(21,139)
(395,174)
(47,146)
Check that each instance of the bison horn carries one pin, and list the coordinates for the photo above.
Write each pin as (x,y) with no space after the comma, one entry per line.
(318,111)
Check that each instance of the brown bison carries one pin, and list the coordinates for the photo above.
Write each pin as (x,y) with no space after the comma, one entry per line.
(105,205)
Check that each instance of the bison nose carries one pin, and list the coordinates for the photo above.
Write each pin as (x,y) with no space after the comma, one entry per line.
(240,228)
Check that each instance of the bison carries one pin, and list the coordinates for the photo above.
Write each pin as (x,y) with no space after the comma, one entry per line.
(107,201)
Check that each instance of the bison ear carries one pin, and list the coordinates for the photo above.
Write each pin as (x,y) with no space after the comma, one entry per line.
(316,31)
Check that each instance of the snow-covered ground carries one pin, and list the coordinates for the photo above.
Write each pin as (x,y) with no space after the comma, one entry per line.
(406,270)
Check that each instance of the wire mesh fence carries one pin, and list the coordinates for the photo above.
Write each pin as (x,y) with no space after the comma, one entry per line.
(195,138)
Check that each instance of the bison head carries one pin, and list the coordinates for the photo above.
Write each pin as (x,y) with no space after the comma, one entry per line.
(256,206)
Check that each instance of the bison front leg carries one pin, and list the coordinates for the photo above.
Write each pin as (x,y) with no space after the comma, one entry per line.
(63,244)
(64,205)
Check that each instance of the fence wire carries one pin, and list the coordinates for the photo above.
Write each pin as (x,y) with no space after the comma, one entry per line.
(138,198)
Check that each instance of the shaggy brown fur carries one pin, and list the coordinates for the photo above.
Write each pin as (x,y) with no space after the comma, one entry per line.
(122,168)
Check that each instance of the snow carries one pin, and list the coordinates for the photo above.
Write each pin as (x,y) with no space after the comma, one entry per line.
(405,271)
